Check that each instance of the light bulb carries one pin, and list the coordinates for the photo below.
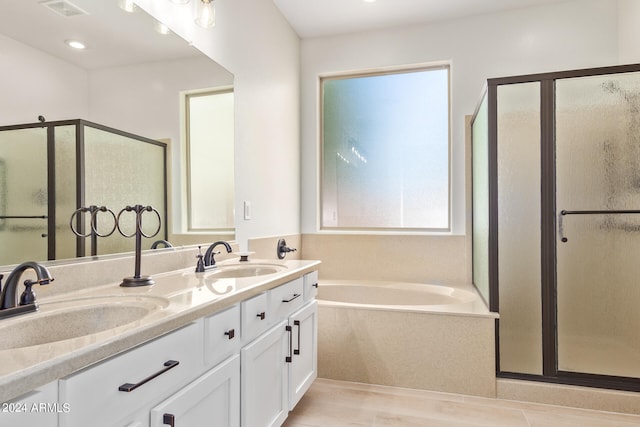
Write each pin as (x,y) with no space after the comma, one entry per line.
(206,14)
(127,5)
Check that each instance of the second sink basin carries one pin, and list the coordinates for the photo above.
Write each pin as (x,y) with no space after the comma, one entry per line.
(67,319)
(225,271)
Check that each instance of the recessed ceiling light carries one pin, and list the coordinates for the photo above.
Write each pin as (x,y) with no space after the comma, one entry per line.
(369,1)
(75,44)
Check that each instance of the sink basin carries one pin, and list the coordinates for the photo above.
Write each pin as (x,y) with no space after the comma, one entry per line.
(226,271)
(72,318)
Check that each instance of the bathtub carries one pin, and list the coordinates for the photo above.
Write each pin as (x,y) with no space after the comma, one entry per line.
(386,295)
(410,335)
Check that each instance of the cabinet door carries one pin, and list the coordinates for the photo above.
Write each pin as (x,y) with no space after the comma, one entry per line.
(264,379)
(303,368)
(211,400)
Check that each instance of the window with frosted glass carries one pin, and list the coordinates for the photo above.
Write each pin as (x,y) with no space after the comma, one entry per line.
(210,160)
(385,150)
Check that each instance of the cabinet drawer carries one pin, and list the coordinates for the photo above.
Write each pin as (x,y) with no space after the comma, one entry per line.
(287,298)
(310,286)
(255,316)
(95,393)
(222,335)
(213,399)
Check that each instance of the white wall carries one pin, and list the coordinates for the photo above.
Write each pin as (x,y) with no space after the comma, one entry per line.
(253,41)
(33,83)
(575,34)
(629,31)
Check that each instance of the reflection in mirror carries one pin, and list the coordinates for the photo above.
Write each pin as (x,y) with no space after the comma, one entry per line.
(129,78)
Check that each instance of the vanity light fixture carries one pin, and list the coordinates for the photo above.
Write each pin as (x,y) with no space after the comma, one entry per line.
(206,14)
(127,5)
(161,28)
(75,44)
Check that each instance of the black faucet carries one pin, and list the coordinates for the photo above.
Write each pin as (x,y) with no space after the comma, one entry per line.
(9,298)
(209,260)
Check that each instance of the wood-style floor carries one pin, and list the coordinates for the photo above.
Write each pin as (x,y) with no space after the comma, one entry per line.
(336,404)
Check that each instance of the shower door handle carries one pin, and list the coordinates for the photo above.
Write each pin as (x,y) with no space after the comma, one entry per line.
(590,212)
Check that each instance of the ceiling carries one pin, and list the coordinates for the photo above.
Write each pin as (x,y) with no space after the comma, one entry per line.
(313,18)
(113,36)
(117,38)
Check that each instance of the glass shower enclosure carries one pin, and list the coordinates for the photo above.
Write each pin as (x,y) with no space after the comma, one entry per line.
(49,170)
(556,224)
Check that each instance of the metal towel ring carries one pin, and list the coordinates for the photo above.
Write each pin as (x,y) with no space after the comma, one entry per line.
(94,223)
(94,229)
(73,215)
(139,209)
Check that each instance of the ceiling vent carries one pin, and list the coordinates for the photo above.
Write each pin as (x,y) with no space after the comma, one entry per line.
(63,7)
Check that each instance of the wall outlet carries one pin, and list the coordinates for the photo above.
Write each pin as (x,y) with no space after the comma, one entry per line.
(247,209)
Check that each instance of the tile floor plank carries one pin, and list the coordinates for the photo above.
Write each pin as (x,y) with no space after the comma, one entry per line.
(330,403)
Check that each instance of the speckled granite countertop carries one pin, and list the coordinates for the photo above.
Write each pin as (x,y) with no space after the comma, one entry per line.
(182,296)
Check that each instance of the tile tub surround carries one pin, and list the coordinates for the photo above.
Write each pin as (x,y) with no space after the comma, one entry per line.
(429,351)
(24,369)
(437,259)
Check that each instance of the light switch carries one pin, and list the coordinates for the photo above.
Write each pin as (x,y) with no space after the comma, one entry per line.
(247,209)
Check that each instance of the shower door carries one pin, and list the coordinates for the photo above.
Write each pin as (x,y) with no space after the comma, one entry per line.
(598,224)
(23,195)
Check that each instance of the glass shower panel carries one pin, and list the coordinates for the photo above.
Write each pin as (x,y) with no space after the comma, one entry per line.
(65,155)
(480,155)
(519,235)
(23,195)
(598,169)
(121,171)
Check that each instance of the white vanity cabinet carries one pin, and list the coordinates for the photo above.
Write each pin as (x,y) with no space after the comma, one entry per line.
(303,368)
(247,365)
(278,367)
(264,379)
(116,391)
(211,400)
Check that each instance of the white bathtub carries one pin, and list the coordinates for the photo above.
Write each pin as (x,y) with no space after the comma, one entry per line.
(410,335)
(391,295)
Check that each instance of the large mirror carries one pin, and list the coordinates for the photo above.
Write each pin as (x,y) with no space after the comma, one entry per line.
(130,77)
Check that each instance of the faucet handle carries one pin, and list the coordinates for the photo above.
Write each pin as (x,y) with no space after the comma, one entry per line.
(28,296)
(200,263)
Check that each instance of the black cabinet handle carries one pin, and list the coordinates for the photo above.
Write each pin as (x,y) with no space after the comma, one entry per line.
(315,285)
(290,356)
(231,333)
(129,387)
(261,315)
(297,323)
(169,419)
(292,298)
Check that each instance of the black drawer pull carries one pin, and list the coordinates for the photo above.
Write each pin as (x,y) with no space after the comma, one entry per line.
(297,323)
(292,298)
(261,315)
(315,285)
(169,364)
(289,358)
(169,419)
(231,333)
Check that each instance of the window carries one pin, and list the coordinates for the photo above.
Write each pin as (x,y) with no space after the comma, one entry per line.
(210,160)
(385,150)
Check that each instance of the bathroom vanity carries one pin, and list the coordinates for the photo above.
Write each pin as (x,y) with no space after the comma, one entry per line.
(220,350)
